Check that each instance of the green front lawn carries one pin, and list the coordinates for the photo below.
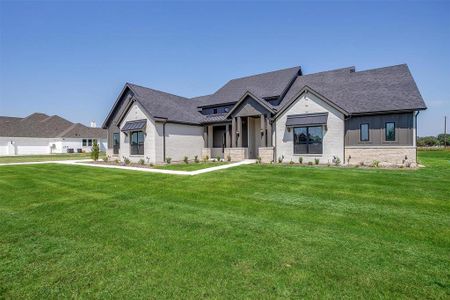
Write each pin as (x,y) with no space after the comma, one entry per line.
(254,231)
(192,166)
(48,157)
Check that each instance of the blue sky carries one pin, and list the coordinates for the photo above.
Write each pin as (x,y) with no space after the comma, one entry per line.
(72,58)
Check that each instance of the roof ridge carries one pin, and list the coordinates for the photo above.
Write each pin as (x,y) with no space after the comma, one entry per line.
(155,90)
(331,71)
(382,68)
(264,73)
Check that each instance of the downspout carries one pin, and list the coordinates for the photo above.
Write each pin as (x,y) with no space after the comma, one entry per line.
(274,141)
(164,141)
(345,132)
(415,129)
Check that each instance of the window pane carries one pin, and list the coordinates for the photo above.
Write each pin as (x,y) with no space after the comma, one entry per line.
(364,132)
(84,142)
(390,131)
(89,142)
(300,140)
(134,138)
(116,139)
(140,137)
(315,140)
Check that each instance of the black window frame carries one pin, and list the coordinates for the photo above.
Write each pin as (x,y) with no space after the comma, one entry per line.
(84,142)
(138,148)
(215,111)
(308,152)
(386,132)
(89,142)
(360,132)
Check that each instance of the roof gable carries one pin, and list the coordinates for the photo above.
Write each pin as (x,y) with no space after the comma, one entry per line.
(249,105)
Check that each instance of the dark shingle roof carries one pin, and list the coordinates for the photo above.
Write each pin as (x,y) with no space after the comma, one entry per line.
(262,85)
(384,89)
(164,105)
(44,126)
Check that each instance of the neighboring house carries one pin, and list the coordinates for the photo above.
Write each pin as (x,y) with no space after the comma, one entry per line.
(42,134)
(356,116)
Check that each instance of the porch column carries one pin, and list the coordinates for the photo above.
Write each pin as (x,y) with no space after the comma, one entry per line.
(263,131)
(227,136)
(269,132)
(210,136)
(233,132)
(205,137)
(239,128)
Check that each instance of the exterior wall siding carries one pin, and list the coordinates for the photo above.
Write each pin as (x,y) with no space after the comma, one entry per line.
(333,135)
(183,140)
(404,130)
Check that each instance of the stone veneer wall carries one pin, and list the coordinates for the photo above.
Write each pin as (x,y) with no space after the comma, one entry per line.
(266,154)
(236,154)
(206,152)
(391,154)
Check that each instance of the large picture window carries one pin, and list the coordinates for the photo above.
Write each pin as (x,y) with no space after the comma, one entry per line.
(364,132)
(308,140)
(137,143)
(389,131)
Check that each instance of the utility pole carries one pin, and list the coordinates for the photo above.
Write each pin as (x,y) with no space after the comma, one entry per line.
(445,132)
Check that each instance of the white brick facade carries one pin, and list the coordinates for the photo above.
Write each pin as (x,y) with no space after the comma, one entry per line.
(333,133)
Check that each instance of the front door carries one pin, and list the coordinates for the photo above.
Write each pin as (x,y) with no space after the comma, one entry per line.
(116,143)
(253,137)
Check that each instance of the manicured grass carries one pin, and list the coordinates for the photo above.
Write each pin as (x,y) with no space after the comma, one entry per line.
(191,166)
(28,158)
(255,231)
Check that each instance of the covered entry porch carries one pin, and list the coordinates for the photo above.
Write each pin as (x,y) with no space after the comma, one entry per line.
(245,133)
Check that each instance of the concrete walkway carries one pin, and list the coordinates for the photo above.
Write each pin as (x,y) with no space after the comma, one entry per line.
(86,162)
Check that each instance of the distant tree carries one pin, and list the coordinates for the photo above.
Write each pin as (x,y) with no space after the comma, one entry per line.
(427,141)
(441,139)
(95,151)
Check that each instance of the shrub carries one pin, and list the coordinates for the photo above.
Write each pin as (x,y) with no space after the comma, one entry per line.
(316,161)
(310,163)
(280,159)
(361,163)
(126,160)
(141,161)
(408,164)
(291,162)
(95,151)
(228,157)
(205,158)
(259,159)
(168,160)
(106,158)
(151,164)
(336,161)
(116,161)
(186,160)
(375,163)
(300,160)
(196,159)
(218,158)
